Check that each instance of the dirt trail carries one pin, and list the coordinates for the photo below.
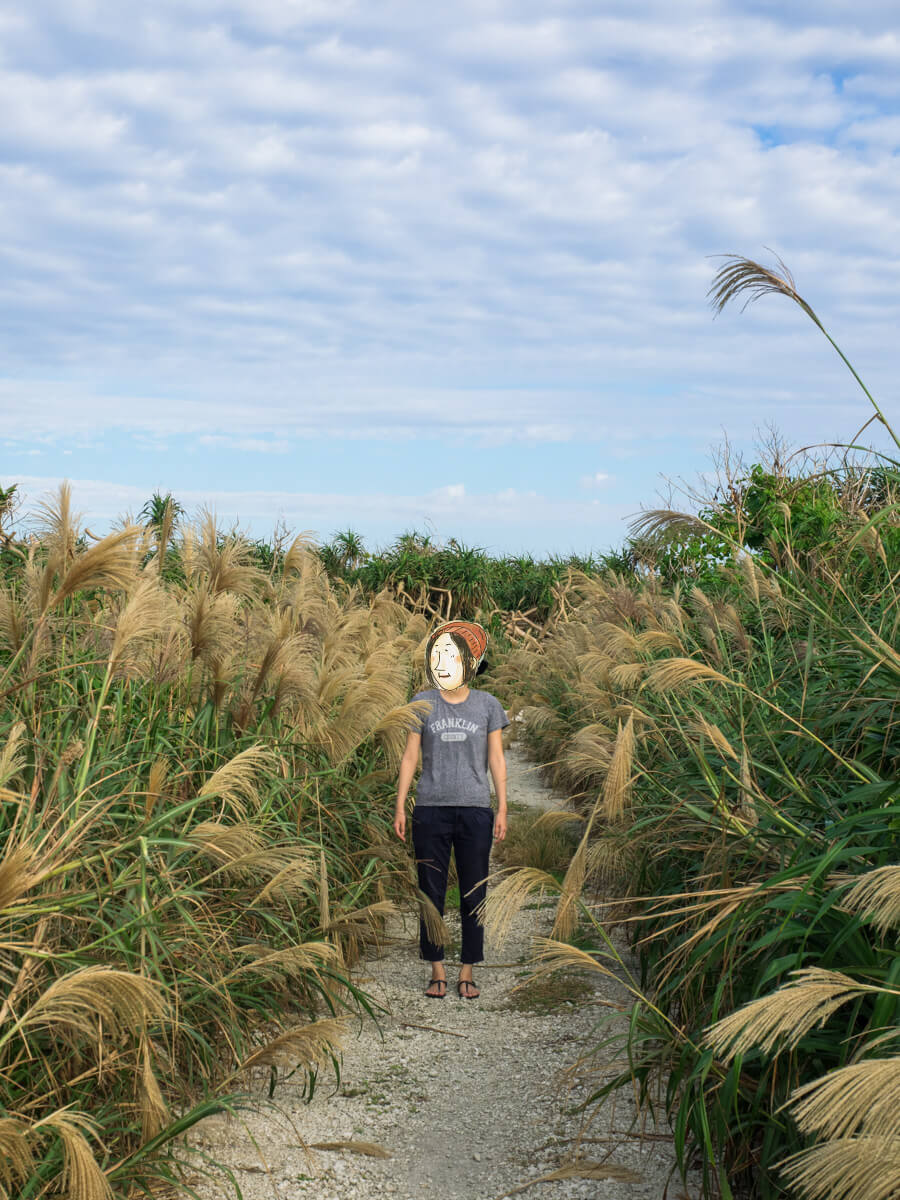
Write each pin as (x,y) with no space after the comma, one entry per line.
(468,1109)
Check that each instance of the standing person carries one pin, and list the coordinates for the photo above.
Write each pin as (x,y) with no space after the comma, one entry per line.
(461,742)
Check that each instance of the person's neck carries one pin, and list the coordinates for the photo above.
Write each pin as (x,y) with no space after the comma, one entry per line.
(458,695)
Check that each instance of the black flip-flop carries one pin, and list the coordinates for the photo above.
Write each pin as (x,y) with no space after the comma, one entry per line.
(436,995)
(465,995)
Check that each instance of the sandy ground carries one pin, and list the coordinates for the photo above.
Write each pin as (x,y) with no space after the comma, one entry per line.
(469,1099)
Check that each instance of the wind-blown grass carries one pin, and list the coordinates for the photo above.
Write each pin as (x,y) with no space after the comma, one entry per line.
(753,824)
(195,836)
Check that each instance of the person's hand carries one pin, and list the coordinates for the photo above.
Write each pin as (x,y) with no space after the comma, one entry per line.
(400,823)
(500,826)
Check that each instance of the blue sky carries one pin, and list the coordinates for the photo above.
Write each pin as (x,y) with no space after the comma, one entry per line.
(397,265)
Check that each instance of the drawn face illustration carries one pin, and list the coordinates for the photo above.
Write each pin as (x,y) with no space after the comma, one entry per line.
(447,667)
(454,653)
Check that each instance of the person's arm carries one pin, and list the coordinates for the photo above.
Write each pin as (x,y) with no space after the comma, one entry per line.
(408,764)
(497,768)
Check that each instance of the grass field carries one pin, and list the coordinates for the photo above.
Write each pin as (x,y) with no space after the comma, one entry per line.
(734,748)
(195,761)
(198,741)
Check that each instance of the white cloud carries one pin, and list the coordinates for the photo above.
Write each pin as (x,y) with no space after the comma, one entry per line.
(247,444)
(596,480)
(453,491)
(258,220)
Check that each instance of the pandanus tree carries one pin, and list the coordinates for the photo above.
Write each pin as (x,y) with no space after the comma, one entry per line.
(8,505)
(161,514)
(349,548)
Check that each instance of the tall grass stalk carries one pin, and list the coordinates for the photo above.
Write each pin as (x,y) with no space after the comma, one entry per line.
(759,840)
(739,276)
(195,843)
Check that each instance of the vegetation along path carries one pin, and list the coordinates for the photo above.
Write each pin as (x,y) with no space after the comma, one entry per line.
(468,1099)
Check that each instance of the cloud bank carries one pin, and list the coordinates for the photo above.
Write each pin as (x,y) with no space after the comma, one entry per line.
(255,223)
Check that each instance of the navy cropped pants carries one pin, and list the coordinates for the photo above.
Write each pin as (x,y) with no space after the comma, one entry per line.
(468,831)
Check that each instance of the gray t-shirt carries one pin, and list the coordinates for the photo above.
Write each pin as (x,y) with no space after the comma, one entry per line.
(455,748)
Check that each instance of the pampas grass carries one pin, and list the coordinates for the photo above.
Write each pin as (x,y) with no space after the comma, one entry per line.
(235,782)
(740,277)
(16,1155)
(581,1169)
(91,999)
(784,1017)
(367,1149)
(309,1046)
(748,829)
(192,763)
(863,1098)
(619,778)
(82,1176)
(566,919)
(877,896)
(673,674)
(854,1168)
(508,896)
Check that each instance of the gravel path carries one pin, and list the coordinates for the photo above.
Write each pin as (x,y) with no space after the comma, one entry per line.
(469,1108)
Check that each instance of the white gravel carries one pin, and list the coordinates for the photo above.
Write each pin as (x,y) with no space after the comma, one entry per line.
(470,1116)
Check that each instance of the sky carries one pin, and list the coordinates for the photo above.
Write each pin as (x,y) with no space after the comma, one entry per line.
(335,264)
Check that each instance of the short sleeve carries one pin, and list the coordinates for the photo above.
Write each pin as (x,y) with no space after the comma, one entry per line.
(497,718)
(417,719)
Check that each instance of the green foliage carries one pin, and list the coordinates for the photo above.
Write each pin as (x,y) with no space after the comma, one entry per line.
(8,503)
(193,806)
(160,508)
(452,580)
(350,548)
(529,843)
(782,519)
(766,780)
